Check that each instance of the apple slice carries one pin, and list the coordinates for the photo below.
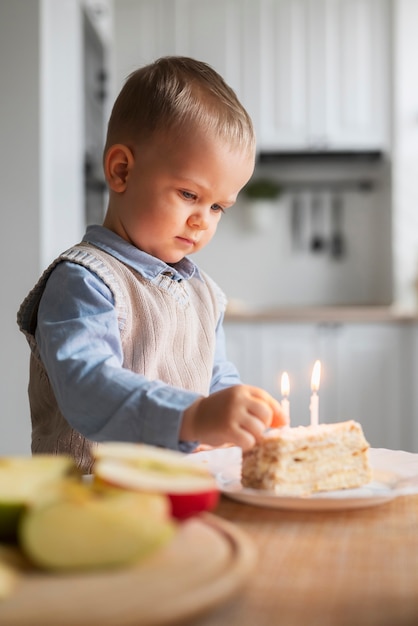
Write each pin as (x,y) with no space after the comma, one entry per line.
(13,565)
(191,489)
(21,480)
(82,526)
(8,579)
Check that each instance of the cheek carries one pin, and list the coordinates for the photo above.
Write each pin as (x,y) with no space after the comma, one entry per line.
(154,217)
(215,223)
(210,231)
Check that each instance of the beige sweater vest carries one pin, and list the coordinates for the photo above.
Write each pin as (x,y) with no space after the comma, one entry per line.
(167,332)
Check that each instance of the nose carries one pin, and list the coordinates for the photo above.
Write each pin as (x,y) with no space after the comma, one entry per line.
(199,219)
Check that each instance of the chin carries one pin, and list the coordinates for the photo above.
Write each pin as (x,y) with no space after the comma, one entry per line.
(174,259)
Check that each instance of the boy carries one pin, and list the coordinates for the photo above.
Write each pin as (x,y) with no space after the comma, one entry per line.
(125,331)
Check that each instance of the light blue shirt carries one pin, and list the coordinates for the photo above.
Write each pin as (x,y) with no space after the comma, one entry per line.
(79,342)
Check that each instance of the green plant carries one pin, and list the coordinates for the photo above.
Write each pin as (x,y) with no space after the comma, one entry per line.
(262,188)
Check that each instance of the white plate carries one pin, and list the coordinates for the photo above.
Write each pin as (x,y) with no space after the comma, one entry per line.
(381,490)
(395,473)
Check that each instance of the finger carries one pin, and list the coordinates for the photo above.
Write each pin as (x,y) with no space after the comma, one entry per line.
(277,416)
(259,392)
(263,395)
(253,427)
(261,410)
(244,439)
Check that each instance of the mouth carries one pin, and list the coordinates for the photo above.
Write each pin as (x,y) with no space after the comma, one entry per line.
(187,241)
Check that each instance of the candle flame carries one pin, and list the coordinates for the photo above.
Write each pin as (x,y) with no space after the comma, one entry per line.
(316,376)
(285,384)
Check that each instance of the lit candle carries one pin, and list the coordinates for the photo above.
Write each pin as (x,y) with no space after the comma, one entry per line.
(314,405)
(285,389)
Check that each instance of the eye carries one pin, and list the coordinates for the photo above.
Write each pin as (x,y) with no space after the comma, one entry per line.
(188,195)
(217,208)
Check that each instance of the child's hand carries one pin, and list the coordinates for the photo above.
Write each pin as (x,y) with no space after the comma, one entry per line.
(237,415)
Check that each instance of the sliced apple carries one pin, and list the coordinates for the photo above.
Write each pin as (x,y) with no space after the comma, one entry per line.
(8,579)
(21,481)
(191,488)
(82,526)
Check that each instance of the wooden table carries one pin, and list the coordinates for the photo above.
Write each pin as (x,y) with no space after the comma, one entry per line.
(342,568)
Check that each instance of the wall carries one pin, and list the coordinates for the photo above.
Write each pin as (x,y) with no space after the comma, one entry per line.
(40,173)
(405,152)
(265,266)
(62,126)
(20,183)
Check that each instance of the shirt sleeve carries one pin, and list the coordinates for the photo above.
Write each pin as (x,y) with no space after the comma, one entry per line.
(79,343)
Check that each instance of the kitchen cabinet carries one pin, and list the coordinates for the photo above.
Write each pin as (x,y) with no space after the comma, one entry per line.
(241,340)
(215,32)
(366,372)
(369,368)
(313,74)
(323,79)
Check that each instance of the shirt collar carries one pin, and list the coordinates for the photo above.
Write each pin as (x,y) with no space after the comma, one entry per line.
(147,265)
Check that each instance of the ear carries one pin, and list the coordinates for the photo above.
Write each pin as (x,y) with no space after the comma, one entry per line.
(118,162)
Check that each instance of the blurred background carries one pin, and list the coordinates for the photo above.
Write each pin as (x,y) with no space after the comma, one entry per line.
(323,267)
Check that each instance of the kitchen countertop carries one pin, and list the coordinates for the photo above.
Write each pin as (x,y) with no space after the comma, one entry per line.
(329,314)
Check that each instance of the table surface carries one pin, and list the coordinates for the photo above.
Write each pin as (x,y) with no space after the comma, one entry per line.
(342,568)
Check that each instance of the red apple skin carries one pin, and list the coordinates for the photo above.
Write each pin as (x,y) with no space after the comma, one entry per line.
(185,505)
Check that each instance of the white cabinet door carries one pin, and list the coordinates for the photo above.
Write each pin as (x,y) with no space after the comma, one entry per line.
(263,351)
(313,74)
(281,45)
(367,372)
(293,348)
(372,381)
(215,32)
(323,74)
(357,70)
(243,349)
(150,34)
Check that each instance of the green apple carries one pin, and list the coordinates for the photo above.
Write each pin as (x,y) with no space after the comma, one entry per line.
(190,488)
(82,526)
(21,481)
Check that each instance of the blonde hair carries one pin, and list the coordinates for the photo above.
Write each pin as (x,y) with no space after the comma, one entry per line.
(176,95)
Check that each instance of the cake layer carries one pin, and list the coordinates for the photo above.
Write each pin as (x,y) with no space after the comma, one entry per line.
(304,460)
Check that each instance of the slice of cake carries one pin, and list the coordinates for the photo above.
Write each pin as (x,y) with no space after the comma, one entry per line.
(307,459)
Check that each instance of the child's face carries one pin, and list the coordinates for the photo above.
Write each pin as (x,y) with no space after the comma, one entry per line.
(175,194)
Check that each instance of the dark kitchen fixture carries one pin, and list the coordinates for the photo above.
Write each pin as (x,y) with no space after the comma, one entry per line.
(318,241)
(362,185)
(319,156)
(337,242)
(95,92)
(296,221)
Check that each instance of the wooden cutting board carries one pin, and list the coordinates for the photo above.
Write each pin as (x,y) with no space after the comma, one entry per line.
(206,563)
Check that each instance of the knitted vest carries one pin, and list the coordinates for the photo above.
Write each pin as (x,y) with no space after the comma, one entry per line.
(167,331)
